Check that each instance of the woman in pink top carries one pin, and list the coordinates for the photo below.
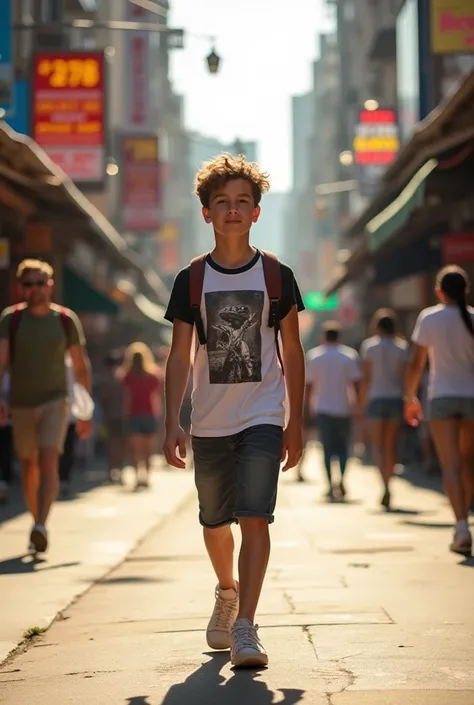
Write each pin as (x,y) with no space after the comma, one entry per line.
(143,385)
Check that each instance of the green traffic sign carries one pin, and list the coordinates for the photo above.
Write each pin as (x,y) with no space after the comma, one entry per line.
(318,301)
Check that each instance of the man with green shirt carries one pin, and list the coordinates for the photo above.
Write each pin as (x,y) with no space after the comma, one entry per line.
(34,339)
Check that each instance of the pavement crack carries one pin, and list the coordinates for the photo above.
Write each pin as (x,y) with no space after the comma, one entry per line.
(309,636)
(291,604)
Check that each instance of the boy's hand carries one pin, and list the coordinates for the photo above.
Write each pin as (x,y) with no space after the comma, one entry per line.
(292,449)
(175,438)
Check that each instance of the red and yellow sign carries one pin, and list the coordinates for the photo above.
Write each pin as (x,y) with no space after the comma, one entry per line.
(376,140)
(69,112)
(141,184)
(452,26)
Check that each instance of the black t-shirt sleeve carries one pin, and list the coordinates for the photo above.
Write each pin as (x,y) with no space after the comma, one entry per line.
(179,305)
(290,293)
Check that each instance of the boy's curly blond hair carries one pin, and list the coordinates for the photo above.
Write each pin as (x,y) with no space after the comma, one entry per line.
(217,172)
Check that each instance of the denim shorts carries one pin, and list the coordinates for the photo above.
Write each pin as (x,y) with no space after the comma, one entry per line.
(451,408)
(385,409)
(142,426)
(237,476)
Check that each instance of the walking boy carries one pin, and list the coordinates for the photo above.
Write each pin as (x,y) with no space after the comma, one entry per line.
(34,339)
(238,412)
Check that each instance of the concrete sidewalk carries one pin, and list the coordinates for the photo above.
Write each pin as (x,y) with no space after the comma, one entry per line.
(359,607)
(89,535)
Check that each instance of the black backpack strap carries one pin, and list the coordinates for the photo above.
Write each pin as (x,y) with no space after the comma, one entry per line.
(272,274)
(196,282)
(15,321)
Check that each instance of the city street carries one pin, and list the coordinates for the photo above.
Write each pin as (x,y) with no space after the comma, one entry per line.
(90,534)
(359,607)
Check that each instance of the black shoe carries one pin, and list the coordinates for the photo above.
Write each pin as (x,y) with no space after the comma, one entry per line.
(386,499)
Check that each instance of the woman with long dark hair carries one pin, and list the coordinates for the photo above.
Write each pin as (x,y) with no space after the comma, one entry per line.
(384,358)
(446,333)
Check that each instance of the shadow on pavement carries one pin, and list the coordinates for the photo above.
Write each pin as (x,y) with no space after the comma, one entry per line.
(207,686)
(416,475)
(430,524)
(82,481)
(27,564)
(467,562)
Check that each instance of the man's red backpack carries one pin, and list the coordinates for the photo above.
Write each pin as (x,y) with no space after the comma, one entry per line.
(15,321)
(272,274)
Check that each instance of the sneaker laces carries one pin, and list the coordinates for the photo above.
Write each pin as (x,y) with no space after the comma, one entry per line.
(223,612)
(246,637)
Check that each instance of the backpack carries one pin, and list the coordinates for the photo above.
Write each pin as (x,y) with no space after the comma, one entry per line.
(15,321)
(272,275)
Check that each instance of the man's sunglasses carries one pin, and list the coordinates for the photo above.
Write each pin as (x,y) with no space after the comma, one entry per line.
(30,284)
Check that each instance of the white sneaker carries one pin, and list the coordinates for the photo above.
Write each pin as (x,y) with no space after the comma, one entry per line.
(223,617)
(246,648)
(39,538)
(462,542)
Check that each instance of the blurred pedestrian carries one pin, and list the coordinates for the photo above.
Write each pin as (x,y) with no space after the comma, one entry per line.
(110,391)
(143,385)
(445,333)
(384,358)
(34,339)
(6,447)
(332,381)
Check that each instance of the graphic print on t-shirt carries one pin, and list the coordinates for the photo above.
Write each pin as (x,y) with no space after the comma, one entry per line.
(234,341)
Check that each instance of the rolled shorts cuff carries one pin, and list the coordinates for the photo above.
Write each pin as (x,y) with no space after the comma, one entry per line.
(255,515)
(224,522)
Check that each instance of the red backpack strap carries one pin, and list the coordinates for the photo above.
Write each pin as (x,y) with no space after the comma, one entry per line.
(196,283)
(272,274)
(13,327)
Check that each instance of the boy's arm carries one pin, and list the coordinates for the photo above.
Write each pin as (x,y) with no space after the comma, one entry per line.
(294,362)
(176,381)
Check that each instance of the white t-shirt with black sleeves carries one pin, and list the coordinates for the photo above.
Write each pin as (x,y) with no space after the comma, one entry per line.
(237,380)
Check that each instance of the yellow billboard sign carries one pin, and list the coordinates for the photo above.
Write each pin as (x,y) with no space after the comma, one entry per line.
(452,26)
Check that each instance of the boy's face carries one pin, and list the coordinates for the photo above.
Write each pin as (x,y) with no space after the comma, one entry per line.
(232,209)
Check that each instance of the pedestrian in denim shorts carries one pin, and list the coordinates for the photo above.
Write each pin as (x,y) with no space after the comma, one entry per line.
(238,430)
(445,333)
(384,357)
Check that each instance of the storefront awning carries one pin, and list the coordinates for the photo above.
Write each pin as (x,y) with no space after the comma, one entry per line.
(27,171)
(82,297)
(448,127)
(396,215)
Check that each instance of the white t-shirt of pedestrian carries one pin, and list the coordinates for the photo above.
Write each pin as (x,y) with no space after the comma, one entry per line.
(387,356)
(451,351)
(331,371)
(237,380)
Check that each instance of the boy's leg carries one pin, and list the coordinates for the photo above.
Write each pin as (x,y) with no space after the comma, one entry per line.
(215,477)
(258,455)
